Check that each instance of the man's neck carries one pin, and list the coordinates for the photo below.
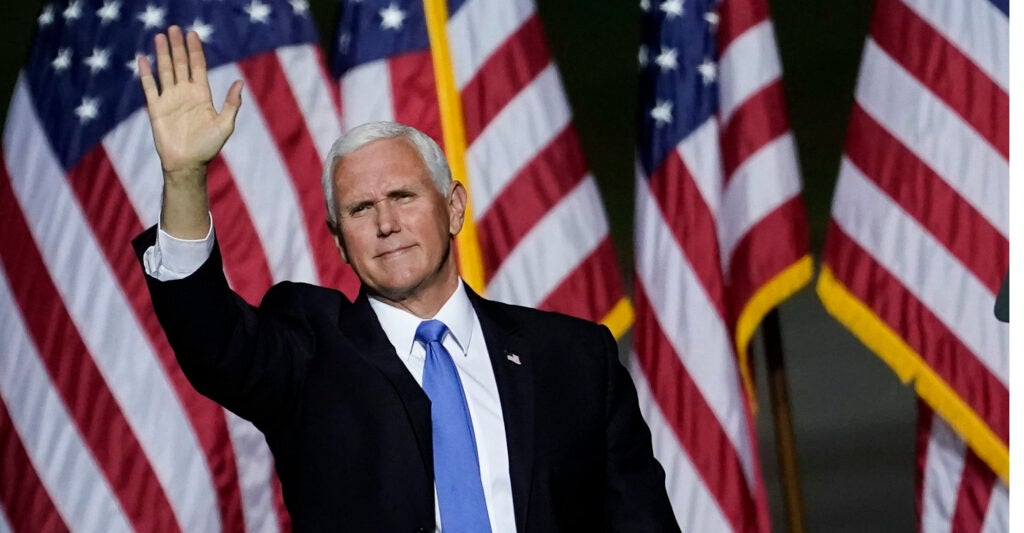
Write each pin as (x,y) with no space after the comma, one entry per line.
(424,304)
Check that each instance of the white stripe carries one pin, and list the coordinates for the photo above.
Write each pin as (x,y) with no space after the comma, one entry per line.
(60,458)
(748,65)
(977,28)
(515,136)
(684,313)
(263,180)
(107,324)
(765,181)
(928,127)
(5,525)
(553,249)
(695,508)
(702,156)
(997,516)
(478,28)
(923,266)
(943,469)
(301,65)
(130,148)
(255,470)
(366,95)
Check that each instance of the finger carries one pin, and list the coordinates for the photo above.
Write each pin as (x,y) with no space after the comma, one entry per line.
(146,78)
(232,102)
(164,70)
(196,57)
(179,55)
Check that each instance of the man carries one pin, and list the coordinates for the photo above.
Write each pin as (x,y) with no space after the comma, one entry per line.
(419,391)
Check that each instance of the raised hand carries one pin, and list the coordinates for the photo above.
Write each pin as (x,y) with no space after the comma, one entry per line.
(187,129)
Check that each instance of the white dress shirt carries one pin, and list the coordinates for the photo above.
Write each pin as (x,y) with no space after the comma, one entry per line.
(172,258)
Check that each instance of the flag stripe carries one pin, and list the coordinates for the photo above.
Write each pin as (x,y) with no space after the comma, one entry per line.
(578,295)
(366,95)
(315,94)
(23,498)
(887,96)
(414,95)
(951,220)
(747,78)
(958,299)
(701,155)
(479,28)
(940,348)
(138,170)
(519,60)
(556,170)
(255,470)
(940,467)
(737,18)
(973,497)
(977,28)
(947,72)
(74,373)
(114,223)
(759,120)
(265,77)
(696,425)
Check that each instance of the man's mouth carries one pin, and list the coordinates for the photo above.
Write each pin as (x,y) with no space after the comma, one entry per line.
(393,253)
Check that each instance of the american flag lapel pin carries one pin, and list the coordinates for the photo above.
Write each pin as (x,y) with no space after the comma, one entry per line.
(513,357)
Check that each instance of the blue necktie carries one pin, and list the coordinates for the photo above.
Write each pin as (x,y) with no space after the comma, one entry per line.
(460,493)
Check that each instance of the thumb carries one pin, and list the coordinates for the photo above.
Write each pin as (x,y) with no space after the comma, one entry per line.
(232,102)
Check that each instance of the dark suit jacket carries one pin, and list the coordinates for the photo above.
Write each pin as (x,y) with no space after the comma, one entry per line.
(350,428)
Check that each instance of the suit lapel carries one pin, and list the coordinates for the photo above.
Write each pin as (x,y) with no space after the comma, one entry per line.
(359,324)
(510,356)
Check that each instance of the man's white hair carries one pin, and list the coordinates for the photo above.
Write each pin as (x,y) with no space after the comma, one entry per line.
(364,134)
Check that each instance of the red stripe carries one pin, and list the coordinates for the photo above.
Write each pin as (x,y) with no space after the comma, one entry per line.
(74,373)
(758,121)
(23,497)
(591,289)
(511,67)
(691,419)
(944,353)
(545,180)
(691,223)
(284,520)
(244,260)
(114,222)
(972,499)
(736,17)
(333,85)
(284,119)
(928,198)
(945,70)
(775,243)
(414,95)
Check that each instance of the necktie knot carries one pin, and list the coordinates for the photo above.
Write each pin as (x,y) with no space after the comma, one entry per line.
(431,331)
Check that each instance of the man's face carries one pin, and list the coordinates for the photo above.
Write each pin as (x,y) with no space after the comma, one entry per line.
(394,226)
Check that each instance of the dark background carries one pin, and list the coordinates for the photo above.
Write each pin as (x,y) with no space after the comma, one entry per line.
(854,421)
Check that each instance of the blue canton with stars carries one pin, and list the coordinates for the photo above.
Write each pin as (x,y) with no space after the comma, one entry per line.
(82,73)
(678,74)
(370,30)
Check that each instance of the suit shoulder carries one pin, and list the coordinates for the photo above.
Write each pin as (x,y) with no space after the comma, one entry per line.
(538,320)
(298,295)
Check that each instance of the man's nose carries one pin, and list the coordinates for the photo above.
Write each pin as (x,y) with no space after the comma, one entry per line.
(387,219)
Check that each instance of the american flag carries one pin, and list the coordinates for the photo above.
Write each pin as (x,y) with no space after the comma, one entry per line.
(720,240)
(919,240)
(476,75)
(99,429)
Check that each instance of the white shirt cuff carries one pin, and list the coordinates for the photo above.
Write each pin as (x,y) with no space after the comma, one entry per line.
(172,258)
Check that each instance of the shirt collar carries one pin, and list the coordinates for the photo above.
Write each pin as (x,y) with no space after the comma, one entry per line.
(400,325)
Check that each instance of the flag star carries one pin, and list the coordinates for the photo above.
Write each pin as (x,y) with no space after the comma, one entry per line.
(708,71)
(63,59)
(667,59)
(662,112)
(46,17)
(642,56)
(110,11)
(645,5)
(258,11)
(391,17)
(88,109)
(202,29)
(153,16)
(672,8)
(73,11)
(99,59)
(711,18)
(299,7)
(344,40)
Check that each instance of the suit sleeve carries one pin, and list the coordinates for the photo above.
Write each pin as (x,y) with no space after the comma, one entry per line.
(249,360)
(636,498)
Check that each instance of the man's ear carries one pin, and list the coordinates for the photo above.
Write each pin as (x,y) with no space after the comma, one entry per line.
(457,198)
(336,235)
